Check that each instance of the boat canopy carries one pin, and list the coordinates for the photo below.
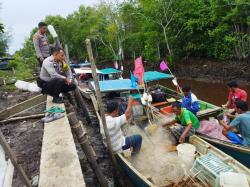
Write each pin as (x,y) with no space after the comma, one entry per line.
(80,65)
(155,75)
(85,71)
(109,71)
(115,85)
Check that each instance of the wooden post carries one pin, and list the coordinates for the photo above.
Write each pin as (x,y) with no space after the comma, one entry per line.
(82,138)
(66,53)
(100,104)
(13,159)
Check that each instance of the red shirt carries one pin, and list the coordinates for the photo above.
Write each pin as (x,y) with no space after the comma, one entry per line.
(236,96)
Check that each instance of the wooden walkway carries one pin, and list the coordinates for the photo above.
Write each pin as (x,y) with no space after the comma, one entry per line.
(60,166)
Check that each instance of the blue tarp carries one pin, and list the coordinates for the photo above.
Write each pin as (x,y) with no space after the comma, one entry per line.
(109,71)
(155,75)
(115,85)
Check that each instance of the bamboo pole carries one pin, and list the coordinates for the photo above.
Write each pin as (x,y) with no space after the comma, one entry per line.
(101,106)
(13,159)
(82,138)
(81,135)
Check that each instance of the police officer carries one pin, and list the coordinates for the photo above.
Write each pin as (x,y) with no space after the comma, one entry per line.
(41,43)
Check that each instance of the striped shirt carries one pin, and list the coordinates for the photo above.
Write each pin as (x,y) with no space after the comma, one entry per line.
(114,129)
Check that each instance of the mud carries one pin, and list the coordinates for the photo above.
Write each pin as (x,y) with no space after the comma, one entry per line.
(8,99)
(91,124)
(213,71)
(25,139)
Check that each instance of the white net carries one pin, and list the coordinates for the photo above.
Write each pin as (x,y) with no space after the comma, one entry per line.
(154,161)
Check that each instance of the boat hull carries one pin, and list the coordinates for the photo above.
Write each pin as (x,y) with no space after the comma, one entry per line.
(208,109)
(137,179)
(240,153)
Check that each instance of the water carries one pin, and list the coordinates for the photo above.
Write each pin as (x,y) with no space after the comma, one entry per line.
(215,93)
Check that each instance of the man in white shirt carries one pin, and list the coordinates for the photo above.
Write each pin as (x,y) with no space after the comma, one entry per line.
(114,122)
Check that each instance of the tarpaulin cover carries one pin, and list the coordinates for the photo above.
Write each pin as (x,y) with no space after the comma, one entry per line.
(109,71)
(80,65)
(115,85)
(155,75)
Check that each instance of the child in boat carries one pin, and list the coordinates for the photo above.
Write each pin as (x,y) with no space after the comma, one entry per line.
(189,101)
(114,122)
(188,123)
(240,124)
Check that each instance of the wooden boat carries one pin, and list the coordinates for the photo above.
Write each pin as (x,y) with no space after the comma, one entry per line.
(154,165)
(103,74)
(141,179)
(238,152)
(206,109)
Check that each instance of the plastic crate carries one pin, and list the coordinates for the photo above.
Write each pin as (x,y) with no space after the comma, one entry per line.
(209,168)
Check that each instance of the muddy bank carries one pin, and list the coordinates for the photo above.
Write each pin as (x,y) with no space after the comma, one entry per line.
(25,139)
(8,99)
(213,71)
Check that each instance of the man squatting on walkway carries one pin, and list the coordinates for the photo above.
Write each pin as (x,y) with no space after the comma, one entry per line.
(119,142)
(55,76)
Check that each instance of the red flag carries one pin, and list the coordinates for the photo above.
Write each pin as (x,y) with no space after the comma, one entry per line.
(139,70)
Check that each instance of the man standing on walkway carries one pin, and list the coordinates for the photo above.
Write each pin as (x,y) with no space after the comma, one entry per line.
(41,43)
(55,76)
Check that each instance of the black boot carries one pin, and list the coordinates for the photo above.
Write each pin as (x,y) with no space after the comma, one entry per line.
(57,100)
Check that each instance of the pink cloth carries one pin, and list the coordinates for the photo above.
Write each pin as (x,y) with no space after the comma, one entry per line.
(163,66)
(139,70)
(212,129)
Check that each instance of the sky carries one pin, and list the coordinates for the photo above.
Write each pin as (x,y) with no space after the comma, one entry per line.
(21,16)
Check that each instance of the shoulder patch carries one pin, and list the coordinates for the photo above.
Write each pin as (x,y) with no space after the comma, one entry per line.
(35,36)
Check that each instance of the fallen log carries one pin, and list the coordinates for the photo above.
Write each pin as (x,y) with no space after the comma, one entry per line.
(34,116)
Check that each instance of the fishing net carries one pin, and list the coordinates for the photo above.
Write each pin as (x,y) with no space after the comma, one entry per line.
(154,161)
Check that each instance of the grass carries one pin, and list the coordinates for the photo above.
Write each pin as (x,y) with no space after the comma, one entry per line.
(21,71)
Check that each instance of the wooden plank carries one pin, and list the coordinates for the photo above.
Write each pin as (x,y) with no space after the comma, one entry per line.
(9,175)
(159,103)
(22,118)
(13,159)
(59,166)
(22,106)
(2,81)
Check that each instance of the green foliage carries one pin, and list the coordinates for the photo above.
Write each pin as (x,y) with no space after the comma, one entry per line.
(156,29)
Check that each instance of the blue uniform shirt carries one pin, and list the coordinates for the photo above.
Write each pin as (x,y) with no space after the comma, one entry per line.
(191,103)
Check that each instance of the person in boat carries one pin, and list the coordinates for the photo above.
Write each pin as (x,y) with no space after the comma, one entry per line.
(235,94)
(189,100)
(55,76)
(119,142)
(185,123)
(240,124)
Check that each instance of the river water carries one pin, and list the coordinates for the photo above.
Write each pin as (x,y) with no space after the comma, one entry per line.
(215,93)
